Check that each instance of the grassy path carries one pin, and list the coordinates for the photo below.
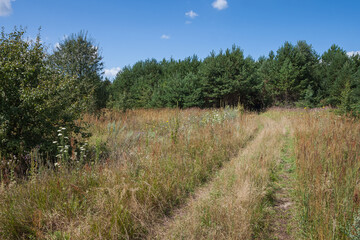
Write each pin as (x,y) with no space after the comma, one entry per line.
(282,220)
(237,202)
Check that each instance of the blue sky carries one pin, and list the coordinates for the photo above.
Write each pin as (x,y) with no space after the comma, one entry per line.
(128,31)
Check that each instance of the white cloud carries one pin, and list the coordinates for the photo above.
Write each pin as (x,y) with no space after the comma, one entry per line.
(56,45)
(353,53)
(111,73)
(166,37)
(191,14)
(5,7)
(220,4)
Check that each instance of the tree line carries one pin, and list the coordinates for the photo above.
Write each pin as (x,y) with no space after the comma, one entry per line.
(293,76)
(41,92)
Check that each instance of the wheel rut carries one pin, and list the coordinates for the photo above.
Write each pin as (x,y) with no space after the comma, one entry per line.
(231,205)
(160,231)
(283,225)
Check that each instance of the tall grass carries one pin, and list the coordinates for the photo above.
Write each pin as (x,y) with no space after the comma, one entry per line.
(144,164)
(235,204)
(327,149)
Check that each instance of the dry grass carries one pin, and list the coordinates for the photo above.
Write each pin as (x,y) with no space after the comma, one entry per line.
(147,163)
(234,204)
(154,160)
(327,150)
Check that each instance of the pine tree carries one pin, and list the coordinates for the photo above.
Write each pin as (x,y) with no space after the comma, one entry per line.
(287,81)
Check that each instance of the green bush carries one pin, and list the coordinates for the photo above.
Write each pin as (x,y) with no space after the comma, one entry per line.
(35,99)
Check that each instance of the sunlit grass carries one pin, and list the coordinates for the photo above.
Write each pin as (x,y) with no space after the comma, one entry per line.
(327,151)
(235,204)
(142,165)
(145,163)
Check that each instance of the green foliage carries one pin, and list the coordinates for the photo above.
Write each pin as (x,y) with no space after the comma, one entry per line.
(34,99)
(224,79)
(340,84)
(134,86)
(332,63)
(295,72)
(180,85)
(267,74)
(78,56)
(228,79)
(295,75)
(182,92)
(355,93)
(102,93)
(287,81)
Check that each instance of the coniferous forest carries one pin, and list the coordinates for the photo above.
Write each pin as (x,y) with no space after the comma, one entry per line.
(296,75)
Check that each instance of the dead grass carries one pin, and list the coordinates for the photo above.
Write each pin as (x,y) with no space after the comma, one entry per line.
(234,204)
(154,160)
(327,150)
(146,164)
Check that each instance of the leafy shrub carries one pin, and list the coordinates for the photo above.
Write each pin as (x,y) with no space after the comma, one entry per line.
(35,100)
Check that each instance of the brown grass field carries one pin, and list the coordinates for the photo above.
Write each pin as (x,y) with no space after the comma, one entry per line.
(197,174)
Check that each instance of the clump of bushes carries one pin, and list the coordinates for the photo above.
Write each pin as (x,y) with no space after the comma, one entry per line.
(42,93)
(35,99)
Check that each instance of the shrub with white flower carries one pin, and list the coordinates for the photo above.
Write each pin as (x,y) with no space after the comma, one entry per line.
(63,146)
(218,116)
(83,152)
(67,151)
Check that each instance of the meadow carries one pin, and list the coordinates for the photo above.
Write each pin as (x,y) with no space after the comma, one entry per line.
(193,174)
(162,152)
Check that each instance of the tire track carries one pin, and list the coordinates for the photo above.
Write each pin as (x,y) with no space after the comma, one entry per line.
(231,206)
